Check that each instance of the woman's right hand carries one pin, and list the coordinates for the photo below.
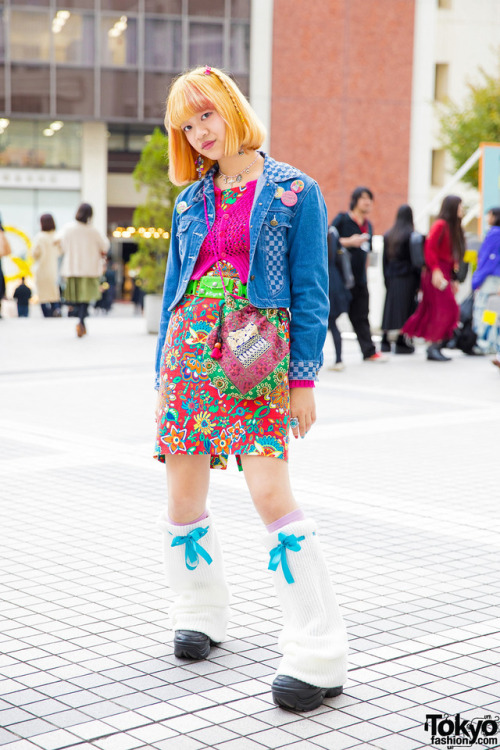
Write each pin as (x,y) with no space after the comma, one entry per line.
(438,279)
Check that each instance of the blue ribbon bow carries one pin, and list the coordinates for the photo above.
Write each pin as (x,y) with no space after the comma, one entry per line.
(193,549)
(278,554)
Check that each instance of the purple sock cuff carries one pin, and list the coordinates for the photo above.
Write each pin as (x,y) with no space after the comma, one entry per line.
(196,520)
(295,515)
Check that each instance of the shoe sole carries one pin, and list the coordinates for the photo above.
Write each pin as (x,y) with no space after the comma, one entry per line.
(193,653)
(306,700)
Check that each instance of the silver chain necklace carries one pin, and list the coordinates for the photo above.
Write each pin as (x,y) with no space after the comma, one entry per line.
(231,179)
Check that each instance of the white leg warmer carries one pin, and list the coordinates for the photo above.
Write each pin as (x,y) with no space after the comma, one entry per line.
(195,572)
(313,640)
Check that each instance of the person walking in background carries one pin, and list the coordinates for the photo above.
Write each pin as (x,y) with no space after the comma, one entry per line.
(84,250)
(46,251)
(437,314)
(355,234)
(255,229)
(22,295)
(486,285)
(402,280)
(5,250)
(338,293)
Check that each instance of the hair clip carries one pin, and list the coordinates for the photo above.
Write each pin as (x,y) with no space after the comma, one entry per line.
(207,70)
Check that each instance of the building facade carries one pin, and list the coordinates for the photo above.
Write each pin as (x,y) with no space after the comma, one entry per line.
(347,89)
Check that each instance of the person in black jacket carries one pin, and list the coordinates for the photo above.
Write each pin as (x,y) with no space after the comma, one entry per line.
(22,295)
(355,234)
(402,280)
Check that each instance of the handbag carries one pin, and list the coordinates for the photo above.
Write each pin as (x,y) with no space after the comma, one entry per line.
(341,255)
(247,353)
(460,272)
(417,250)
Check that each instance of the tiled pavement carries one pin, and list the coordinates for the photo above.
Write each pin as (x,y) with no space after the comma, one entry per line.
(401,473)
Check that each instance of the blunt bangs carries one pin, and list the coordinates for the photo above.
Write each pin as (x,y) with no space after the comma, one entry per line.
(184,102)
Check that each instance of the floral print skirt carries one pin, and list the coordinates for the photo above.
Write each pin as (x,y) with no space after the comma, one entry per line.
(194,417)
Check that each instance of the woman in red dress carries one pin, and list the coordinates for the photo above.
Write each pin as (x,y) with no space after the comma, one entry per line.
(438,313)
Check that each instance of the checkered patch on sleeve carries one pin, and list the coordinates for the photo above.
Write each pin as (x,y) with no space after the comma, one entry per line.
(302,370)
(275,244)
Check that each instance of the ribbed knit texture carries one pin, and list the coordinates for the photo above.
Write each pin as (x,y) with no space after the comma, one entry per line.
(201,600)
(229,236)
(313,640)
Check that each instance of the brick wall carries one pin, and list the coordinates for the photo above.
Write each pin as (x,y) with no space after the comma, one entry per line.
(341,97)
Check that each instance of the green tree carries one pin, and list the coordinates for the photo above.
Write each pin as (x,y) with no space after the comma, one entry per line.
(151,172)
(477,120)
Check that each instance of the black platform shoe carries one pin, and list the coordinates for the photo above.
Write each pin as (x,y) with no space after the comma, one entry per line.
(435,354)
(385,344)
(404,345)
(190,644)
(296,695)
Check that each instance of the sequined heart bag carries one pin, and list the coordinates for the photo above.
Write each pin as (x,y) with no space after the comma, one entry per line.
(247,352)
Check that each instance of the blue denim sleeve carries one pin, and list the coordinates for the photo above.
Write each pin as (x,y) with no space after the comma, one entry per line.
(169,289)
(308,259)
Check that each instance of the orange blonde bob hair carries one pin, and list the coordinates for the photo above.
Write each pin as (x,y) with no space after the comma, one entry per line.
(207,89)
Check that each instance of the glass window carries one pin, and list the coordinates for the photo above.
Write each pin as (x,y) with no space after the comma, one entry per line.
(239,53)
(30,35)
(243,83)
(30,89)
(75,91)
(41,3)
(3,103)
(205,44)
(156,86)
(119,94)
(118,41)
(120,5)
(74,42)
(41,144)
(60,143)
(206,8)
(163,44)
(173,7)
(441,76)
(240,8)
(2,36)
(82,4)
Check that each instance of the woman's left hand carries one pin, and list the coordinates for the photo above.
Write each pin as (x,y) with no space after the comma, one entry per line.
(303,408)
(455,286)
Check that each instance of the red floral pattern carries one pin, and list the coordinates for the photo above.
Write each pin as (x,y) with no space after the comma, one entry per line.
(194,417)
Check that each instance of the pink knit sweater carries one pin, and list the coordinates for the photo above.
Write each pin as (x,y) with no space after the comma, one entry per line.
(230,234)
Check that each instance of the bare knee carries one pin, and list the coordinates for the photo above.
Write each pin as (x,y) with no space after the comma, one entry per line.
(187,483)
(269,486)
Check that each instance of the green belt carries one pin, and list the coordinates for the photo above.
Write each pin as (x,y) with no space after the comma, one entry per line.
(211,286)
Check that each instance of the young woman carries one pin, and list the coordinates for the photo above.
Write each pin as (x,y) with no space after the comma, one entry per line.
(438,314)
(401,280)
(486,286)
(46,251)
(263,225)
(84,249)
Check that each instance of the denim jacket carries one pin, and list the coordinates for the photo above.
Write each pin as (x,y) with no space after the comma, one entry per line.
(288,259)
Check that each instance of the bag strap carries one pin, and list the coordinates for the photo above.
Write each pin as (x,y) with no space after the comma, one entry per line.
(216,251)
